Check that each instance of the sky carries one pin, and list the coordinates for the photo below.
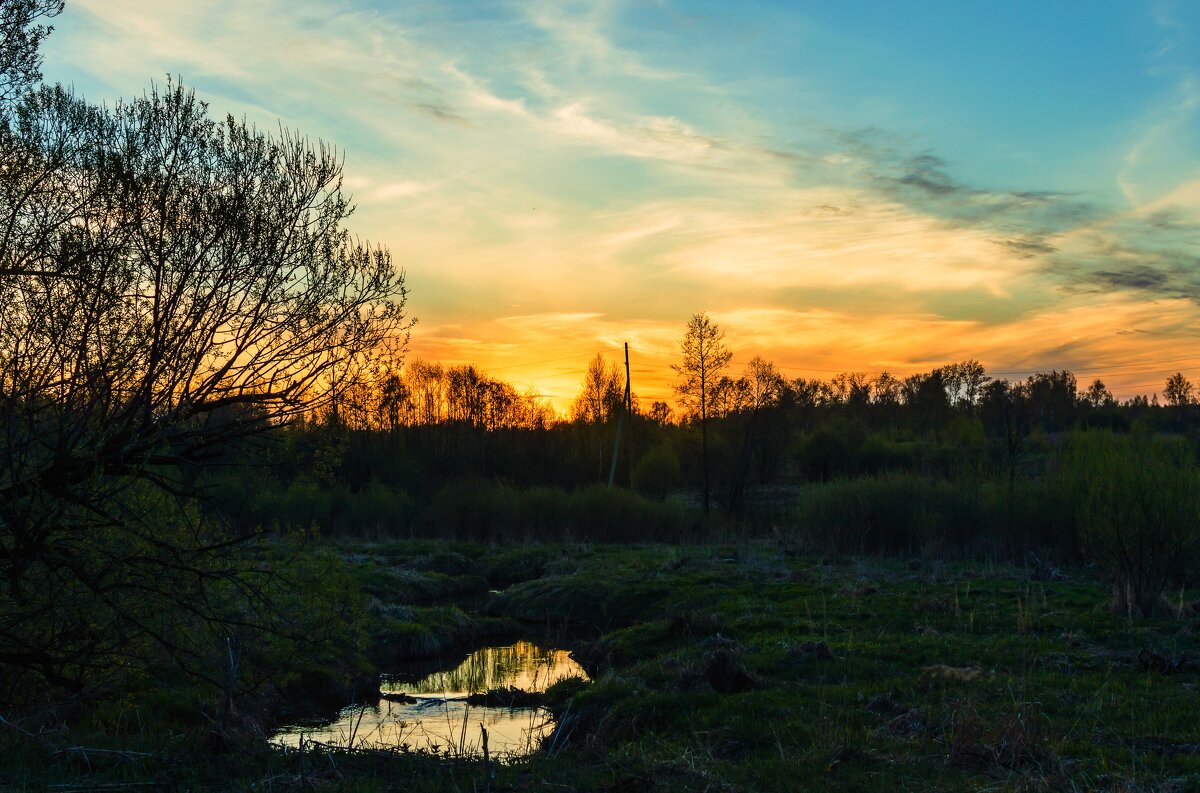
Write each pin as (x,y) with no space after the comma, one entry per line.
(850,186)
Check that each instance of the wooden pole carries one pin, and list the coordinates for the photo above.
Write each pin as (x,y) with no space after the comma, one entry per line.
(612,469)
(629,410)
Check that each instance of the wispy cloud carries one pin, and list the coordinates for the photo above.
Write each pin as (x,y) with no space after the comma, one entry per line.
(556,182)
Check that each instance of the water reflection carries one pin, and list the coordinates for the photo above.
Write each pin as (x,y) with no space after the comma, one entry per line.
(437,719)
(522,665)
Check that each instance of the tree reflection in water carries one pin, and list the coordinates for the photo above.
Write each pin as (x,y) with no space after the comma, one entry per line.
(522,665)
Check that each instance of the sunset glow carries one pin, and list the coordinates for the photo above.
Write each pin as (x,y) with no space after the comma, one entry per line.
(840,189)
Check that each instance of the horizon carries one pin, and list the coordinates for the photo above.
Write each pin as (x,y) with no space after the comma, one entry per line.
(859,188)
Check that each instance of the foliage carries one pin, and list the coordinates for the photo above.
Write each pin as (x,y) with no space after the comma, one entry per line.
(891,513)
(216,622)
(494,512)
(1138,502)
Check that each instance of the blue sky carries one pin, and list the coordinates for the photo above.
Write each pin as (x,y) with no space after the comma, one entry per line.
(852,185)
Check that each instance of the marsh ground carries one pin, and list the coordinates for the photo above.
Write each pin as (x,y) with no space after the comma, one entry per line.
(738,667)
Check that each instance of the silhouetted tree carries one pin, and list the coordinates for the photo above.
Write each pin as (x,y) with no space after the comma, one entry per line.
(602,393)
(964,382)
(1097,395)
(887,390)
(1179,391)
(704,358)
(1005,411)
(766,385)
(660,413)
(926,398)
(762,439)
(851,389)
(1053,398)
(168,286)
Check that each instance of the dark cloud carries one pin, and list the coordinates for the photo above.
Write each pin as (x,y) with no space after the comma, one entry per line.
(1136,277)
(1105,251)
(925,181)
(1028,247)
(442,112)
(927,173)
(1134,254)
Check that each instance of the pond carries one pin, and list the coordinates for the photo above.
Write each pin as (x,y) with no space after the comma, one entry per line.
(432,714)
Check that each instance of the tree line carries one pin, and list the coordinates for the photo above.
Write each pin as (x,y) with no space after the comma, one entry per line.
(733,440)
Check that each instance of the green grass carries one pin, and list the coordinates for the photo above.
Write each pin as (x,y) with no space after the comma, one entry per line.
(862,674)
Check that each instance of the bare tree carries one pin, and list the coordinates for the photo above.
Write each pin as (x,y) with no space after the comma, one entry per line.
(660,413)
(602,394)
(765,382)
(887,390)
(705,357)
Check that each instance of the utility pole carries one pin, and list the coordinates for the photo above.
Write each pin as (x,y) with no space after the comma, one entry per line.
(625,408)
(629,410)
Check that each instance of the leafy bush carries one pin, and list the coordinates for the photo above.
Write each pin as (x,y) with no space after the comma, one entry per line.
(1138,505)
(612,514)
(658,472)
(378,509)
(474,510)
(542,512)
(894,513)
(491,512)
(829,451)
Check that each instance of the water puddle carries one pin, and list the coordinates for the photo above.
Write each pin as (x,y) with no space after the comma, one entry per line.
(432,714)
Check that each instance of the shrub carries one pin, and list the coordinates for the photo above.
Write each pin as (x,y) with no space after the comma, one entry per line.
(612,514)
(1138,507)
(379,509)
(894,513)
(879,454)
(542,512)
(829,451)
(474,510)
(658,472)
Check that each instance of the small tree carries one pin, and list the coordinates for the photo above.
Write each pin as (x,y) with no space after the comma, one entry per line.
(704,359)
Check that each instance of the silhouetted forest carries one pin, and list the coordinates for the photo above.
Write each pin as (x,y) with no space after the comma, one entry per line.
(949,461)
